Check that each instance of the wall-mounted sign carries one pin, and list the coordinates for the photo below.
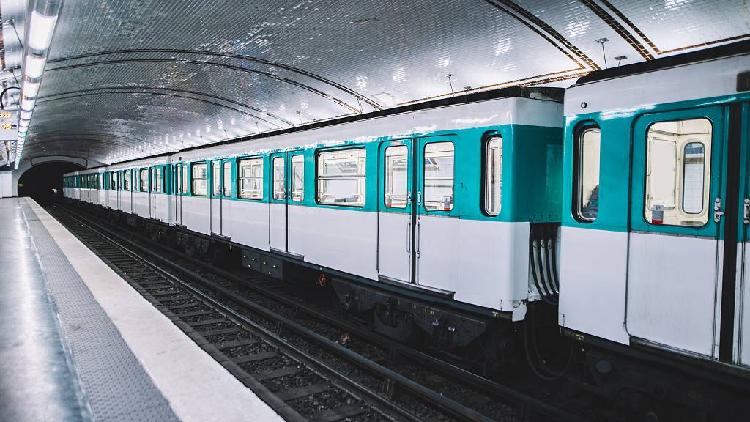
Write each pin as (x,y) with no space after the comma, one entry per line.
(8,125)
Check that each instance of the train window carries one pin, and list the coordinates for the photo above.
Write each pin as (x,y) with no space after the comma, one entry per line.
(586,184)
(184,178)
(396,176)
(227,178)
(251,178)
(200,179)
(157,180)
(126,180)
(438,176)
(143,177)
(298,178)
(216,179)
(278,178)
(493,175)
(341,177)
(678,157)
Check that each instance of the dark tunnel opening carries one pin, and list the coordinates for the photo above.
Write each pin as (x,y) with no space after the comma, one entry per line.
(43,182)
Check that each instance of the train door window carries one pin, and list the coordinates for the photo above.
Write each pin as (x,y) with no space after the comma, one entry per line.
(216,180)
(298,178)
(396,176)
(251,178)
(278,178)
(114,179)
(200,179)
(341,177)
(493,175)
(438,176)
(126,180)
(157,180)
(677,172)
(184,179)
(227,178)
(587,156)
(143,177)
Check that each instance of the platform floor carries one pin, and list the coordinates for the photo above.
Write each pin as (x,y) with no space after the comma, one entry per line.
(77,343)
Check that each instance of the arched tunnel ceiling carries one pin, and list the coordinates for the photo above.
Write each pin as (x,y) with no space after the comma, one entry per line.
(132,78)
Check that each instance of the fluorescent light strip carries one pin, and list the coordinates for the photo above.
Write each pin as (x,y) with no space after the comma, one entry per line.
(30,89)
(41,28)
(25,115)
(27,104)
(34,66)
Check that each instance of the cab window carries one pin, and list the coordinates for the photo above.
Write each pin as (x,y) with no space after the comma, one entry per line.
(678,168)
(493,175)
(587,156)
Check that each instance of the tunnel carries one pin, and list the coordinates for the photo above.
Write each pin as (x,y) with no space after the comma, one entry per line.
(43,182)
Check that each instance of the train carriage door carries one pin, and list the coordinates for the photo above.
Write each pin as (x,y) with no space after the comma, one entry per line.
(682,165)
(183,186)
(396,213)
(279,203)
(215,197)
(436,232)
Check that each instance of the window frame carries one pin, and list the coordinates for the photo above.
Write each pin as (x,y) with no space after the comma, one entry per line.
(576,204)
(141,171)
(708,168)
(216,189)
(486,139)
(424,177)
(157,179)
(321,151)
(387,204)
(291,176)
(192,178)
(262,177)
(226,178)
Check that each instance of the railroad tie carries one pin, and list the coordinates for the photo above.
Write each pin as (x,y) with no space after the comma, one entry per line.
(237,343)
(201,312)
(295,393)
(339,413)
(276,373)
(254,357)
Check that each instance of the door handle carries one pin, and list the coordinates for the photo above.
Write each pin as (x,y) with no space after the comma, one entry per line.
(408,236)
(718,213)
(419,238)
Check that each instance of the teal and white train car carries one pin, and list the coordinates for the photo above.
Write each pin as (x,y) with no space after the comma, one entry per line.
(656,210)
(437,201)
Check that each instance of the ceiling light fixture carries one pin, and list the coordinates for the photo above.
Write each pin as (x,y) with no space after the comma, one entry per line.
(30,89)
(41,28)
(38,37)
(34,66)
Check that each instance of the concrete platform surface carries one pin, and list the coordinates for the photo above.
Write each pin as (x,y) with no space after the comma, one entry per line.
(78,343)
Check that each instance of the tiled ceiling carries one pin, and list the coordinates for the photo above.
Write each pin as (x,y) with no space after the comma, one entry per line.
(133,78)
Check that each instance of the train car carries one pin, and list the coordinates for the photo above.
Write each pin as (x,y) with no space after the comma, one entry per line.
(141,188)
(431,205)
(656,205)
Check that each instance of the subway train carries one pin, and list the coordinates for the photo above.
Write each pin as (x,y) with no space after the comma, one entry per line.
(598,232)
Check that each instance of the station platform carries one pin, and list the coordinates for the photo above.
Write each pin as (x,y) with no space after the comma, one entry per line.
(77,343)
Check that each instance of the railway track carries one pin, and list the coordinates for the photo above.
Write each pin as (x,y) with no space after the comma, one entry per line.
(302,360)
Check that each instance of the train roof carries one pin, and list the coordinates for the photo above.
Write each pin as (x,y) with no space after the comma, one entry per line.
(715,53)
